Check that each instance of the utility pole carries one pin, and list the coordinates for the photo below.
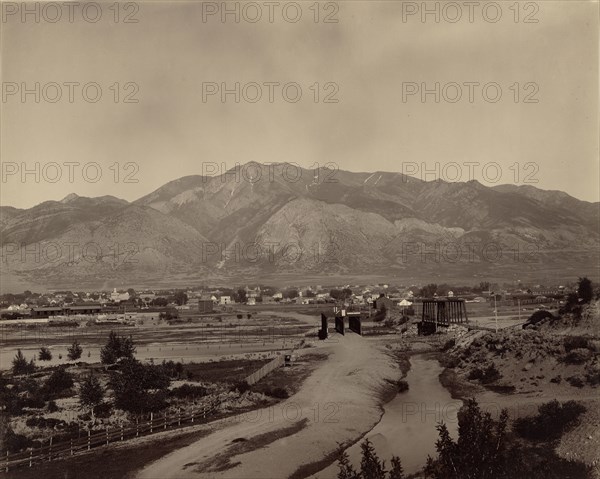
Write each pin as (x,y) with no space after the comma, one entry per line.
(496,311)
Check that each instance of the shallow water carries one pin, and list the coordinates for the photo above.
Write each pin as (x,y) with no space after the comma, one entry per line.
(408,426)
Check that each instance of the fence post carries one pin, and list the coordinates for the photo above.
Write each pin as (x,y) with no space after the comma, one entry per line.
(71,447)
(121,431)
(137,427)
(179,417)
(107,435)
(151,417)
(50,450)
(204,412)
(89,439)
(30,458)
(165,417)
(192,414)
(7,460)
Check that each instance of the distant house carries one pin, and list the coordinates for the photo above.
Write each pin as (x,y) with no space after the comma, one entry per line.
(266,299)
(278,296)
(251,301)
(225,300)
(451,294)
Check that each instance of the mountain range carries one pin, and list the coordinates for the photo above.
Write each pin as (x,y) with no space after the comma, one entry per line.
(259,222)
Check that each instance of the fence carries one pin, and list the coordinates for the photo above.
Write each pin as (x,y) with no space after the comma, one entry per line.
(339,324)
(103,438)
(266,369)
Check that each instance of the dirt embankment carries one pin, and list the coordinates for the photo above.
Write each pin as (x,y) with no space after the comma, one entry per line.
(520,369)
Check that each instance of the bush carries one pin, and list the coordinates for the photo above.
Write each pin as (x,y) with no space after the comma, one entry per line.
(16,442)
(52,406)
(402,386)
(249,316)
(240,386)
(21,366)
(45,354)
(240,316)
(578,356)
(576,381)
(575,342)
(485,376)
(279,393)
(449,344)
(188,391)
(74,352)
(116,348)
(140,387)
(58,381)
(103,410)
(552,420)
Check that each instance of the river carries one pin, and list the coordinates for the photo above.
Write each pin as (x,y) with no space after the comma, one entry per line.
(408,426)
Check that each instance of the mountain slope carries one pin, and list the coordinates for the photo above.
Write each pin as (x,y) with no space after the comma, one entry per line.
(276,219)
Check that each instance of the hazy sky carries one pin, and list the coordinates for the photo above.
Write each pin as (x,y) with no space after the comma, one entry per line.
(370,57)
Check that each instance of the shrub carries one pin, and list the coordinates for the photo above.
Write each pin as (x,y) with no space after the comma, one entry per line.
(16,442)
(188,391)
(552,420)
(576,381)
(58,381)
(240,316)
(249,316)
(44,354)
(74,352)
(449,344)
(116,348)
(52,406)
(485,376)
(140,387)
(578,356)
(103,410)
(21,366)
(575,342)
(91,392)
(402,386)
(240,386)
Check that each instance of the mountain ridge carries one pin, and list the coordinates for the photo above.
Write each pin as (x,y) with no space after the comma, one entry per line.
(337,221)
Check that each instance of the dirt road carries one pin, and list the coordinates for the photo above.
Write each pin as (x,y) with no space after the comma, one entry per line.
(338,403)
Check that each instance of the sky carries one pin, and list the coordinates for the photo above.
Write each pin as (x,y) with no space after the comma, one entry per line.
(361,80)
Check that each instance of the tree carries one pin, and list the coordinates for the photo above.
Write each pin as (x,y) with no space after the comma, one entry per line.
(180,298)
(20,364)
(140,387)
(585,290)
(346,470)
(44,354)
(161,302)
(117,347)
(396,472)
(91,392)
(480,451)
(291,293)
(371,467)
(240,296)
(58,381)
(428,291)
(74,352)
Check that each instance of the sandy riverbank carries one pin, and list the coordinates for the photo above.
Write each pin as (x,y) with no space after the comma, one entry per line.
(337,404)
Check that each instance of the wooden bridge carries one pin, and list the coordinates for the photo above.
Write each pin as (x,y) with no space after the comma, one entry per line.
(442,312)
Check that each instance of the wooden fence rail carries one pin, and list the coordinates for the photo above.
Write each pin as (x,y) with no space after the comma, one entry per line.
(266,369)
(63,449)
